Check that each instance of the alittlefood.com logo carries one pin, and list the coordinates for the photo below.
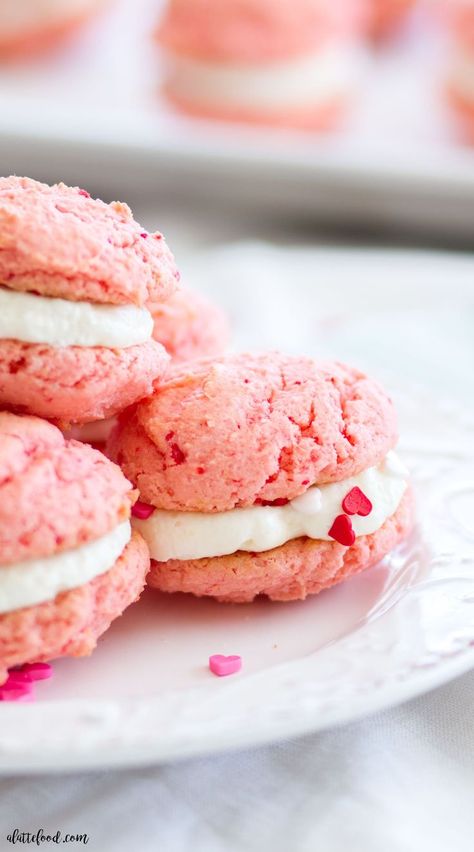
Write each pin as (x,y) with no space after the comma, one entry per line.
(39,837)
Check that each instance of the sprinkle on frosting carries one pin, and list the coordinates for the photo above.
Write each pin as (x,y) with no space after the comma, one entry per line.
(142,510)
(356,503)
(342,531)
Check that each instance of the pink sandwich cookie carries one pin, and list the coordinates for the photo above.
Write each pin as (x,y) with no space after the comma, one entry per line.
(458,17)
(33,26)
(273,62)
(263,474)
(76,337)
(69,560)
(385,17)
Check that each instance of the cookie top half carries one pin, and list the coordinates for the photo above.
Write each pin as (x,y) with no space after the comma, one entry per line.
(250,429)
(253,30)
(55,494)
(58,241)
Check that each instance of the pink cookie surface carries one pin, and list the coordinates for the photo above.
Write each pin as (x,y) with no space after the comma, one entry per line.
(189,326)
(462,108)
(41,33)
(54,494)
(291,572)
(71,624)
(385,16)
(458,17)
(58,241)
(253,30)
(245,429)
(77,384)
(322,118)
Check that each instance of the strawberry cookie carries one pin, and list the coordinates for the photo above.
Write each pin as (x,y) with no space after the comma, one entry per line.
(263,474)
(190,326)
(76,339)
(69,560)
(33,26)
(384,17)
(288,63)
(458,17)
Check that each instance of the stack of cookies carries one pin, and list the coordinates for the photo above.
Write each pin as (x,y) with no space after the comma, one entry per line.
(86,296)
(238,475)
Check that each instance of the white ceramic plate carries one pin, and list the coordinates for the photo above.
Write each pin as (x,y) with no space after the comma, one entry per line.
(91,114)
(393,632)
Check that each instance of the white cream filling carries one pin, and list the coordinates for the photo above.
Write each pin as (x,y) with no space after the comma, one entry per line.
(461,73)
(35,581)
(194,535)
(303,82)
(16,16)
(59,322)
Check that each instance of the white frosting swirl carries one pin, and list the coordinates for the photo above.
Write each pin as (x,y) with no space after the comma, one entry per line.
(292,83)
(194,535)
(35,581)
(59,322)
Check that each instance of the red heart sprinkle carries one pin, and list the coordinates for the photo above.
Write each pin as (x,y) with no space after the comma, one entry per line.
(342,531)
(356,503)
(84,193)
(142,511)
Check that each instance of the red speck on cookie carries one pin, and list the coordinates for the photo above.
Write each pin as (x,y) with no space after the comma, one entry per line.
(84,193)
(144,235)
(342,531)
(356,503)
(177,454)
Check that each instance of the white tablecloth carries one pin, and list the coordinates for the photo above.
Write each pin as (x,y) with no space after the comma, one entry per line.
(400,781)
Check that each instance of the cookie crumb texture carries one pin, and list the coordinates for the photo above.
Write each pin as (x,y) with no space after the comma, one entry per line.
(291,572)
(54,494)
(72,623)
(76,384)
(246,429)
(58,241)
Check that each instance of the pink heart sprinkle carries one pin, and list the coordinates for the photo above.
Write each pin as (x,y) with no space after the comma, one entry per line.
(33,671)
(221,665)
(18,677)
(142,510)
(15,691)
